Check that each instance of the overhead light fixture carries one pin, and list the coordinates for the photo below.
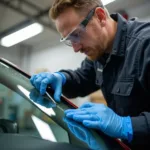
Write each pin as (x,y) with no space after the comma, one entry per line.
(21,35)
(106,2)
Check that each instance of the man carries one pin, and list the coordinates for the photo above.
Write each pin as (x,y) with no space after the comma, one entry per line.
(118,63)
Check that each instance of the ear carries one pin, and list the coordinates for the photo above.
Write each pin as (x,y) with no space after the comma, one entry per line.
(101,15)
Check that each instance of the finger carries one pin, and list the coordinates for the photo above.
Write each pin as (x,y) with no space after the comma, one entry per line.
(32,79)
(43,85)
(37,82)
(45,74)
(47,80)
(71,114)
(77,110)
(91,124)
(58,92)
(68,110)
(73,123)
(87,105)
(81,118)
(71,110)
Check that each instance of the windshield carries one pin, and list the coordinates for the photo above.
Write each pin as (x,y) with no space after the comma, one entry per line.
(39,116)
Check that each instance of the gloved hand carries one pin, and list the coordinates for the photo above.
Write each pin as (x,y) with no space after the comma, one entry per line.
(83,134)
(101,117)
(55,80)
(41,100)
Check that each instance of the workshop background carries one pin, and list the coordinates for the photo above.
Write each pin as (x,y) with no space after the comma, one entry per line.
(44,52)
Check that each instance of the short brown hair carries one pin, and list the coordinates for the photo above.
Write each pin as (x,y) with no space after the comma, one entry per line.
(80,5)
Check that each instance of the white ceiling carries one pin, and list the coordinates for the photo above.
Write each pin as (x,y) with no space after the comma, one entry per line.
(10,18)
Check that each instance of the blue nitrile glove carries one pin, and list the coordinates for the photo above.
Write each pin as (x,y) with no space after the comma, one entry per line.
(82,133)
(41,100)
(55,80)
(101,117)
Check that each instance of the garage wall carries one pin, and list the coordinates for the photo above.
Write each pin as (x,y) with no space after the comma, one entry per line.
(12,54)
(18,55)
(141,12)
(55,58)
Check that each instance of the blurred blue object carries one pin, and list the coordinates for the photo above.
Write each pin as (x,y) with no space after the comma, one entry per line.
(82,133)
(55,80)
(99,116)
(39,99)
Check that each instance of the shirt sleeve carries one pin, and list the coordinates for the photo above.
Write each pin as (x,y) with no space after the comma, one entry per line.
(141,128)
(80,82)
(141,123)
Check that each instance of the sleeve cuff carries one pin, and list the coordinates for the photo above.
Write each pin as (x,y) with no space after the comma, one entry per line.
(127,132)
(129,128)
(139,126)
(63,77)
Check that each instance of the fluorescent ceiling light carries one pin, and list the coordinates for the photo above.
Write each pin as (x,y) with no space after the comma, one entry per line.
(21,35)
(105,2)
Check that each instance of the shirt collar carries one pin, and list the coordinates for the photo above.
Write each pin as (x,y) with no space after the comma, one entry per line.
(119,41)
(118,48)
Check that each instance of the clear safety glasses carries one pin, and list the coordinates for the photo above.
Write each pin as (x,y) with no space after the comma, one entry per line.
(75,36)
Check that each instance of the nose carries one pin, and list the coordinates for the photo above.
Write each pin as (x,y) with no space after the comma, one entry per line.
(77,47)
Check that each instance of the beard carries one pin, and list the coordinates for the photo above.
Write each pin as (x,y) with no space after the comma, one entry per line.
(94,54)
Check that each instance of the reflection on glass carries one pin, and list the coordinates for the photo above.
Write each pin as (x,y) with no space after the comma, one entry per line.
(44,129)
(4,65)
(13,84)
(82,133)
(40,101)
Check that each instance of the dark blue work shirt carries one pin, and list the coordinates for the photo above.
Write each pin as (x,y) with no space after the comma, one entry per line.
(123,76)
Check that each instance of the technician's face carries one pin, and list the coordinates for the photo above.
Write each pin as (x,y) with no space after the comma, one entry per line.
(89,40)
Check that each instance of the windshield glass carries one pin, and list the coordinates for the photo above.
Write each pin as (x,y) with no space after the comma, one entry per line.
(39,116)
